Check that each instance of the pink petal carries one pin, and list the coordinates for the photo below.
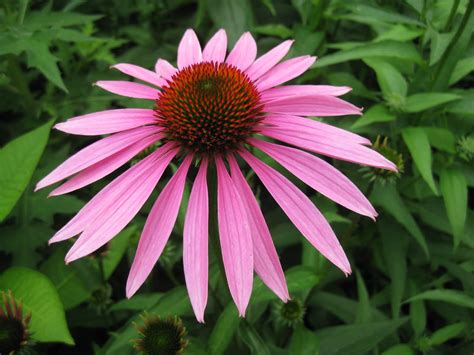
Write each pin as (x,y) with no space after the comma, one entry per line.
(320,175)
(216,48)
(235,237)
(96,152)
(303,90)
(343,150)
(140,73)
(112,219)
(314,128)
(105,122)
(108,195)
(158,228)
(129,89)
(189,50)
(195,243)
(105,167)
(285,71)
(268,60)
(266,262)
(165,69)
(312,105)
(301,211)
(244,52)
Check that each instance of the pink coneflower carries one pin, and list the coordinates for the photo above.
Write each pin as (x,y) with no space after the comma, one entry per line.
(208,112)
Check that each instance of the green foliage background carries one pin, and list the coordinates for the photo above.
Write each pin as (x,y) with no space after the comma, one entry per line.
(410,64)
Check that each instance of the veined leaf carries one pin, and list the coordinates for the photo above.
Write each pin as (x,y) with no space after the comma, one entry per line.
(385,49)
(419,146)
(389,198)
(39,296)
(455,297)
(357,338)
(375,114)
(454,190)
(18,160)
(424,101)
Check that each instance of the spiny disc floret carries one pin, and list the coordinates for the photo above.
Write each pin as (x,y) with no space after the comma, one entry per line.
(209,108)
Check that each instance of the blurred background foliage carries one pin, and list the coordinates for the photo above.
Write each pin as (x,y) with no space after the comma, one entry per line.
(410,65)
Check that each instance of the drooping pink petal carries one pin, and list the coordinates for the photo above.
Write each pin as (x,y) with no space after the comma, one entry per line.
(314,128)
(312,105)
(266,262)
(140,73)
(235,237)
(216,48)
(105,167)
(344,150)
(189,50)
(118,214)
(195,243)
(244,52)
(285,71)
(320,175)
(96,152)
(303,90)
(108,195)
(165,69)
(106,122)
(268,60)
(129,89)
(301,211)
(158,228)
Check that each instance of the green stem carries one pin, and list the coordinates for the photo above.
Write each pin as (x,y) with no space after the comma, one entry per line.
(454,41)
(454,9)
(23,7)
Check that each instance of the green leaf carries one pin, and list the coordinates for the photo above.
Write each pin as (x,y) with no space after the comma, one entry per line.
(372,14)
(355,339)
(40,19)
(363,308)
(39,296)
(18,160)
(417,311)
(424,101)
(385,49)
(71,288)
(399,349)
(277,30)
(439,43)
(23,241)
(252,339)
(41,58)
(375,114)
(343,308)
(441,138)
(392,83)
(388,197)
(454,190)
(399,33)
(303,342)
(116,250)
(447,333)
(298,278)
(224,330)
(463,107)
(234,16)
(418,144)
(462,68)
(174,302)
(394,249)
(455,297)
